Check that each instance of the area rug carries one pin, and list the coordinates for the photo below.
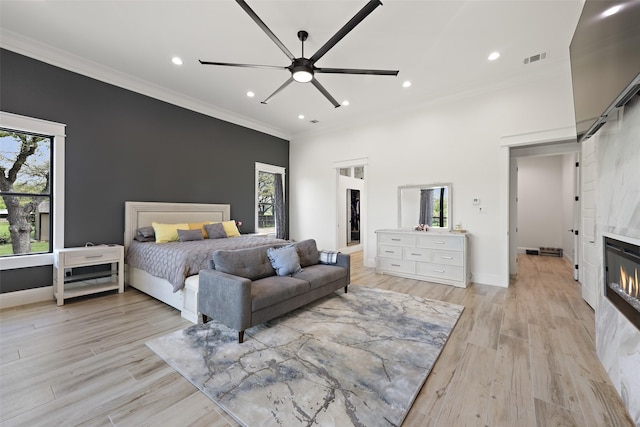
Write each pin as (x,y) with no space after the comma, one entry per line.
(358,359)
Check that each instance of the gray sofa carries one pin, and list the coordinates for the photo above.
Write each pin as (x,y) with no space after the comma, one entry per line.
(243,290)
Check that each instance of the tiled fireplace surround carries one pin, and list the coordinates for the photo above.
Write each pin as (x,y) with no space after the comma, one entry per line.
(617,152)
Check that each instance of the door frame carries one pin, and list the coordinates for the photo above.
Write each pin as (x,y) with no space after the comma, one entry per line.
(340,213)
(534,140)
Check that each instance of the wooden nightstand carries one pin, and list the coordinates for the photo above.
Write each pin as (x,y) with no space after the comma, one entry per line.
(68,285)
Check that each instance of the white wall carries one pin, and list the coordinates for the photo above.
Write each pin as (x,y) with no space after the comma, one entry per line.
(546,191)
(540,202)
(455,141)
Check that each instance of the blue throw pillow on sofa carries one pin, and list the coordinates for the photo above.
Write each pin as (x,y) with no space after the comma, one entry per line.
(284,260)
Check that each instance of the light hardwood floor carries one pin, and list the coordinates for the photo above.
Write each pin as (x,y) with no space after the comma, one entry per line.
(521,356)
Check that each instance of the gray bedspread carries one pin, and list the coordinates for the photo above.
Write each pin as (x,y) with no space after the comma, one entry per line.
(175,261)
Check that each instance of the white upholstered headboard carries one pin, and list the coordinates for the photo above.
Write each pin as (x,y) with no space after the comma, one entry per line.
(142,214)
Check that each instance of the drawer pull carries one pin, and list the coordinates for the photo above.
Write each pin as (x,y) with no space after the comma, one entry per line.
(395,265)
(416,254)
(396,240)
(438,242)
(389,252)
(439,271)
(446,257)
(94,256)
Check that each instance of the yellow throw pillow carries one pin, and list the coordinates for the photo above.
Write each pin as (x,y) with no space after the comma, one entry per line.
(200,226)
(168,232)
(230,228)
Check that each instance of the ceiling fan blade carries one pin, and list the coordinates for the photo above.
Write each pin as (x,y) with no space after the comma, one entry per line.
(326,94)
(364,12)
(264,27)
(285,84)
(356,71)
(230,64)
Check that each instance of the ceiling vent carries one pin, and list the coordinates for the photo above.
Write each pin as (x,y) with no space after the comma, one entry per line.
(315,121)
(535,58)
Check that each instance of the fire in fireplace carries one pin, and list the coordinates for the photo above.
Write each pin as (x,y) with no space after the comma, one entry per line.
(622,288)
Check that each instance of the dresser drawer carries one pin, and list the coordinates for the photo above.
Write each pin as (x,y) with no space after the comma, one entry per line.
(441,242)
(90,255)
(417,254)
(447,257)
(440,271)
(396,265)
(396,239)
(386,251)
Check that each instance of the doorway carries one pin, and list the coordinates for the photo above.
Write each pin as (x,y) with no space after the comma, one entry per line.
(544,208)
(353,220)
(351,206)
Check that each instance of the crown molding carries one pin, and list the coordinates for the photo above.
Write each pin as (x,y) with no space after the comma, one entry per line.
(74,63)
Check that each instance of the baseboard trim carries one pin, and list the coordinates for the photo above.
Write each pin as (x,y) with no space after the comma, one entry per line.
(28,296)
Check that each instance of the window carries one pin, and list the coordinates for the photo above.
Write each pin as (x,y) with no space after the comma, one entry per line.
(25,175)
(266,197)
(31,183)
(354,171)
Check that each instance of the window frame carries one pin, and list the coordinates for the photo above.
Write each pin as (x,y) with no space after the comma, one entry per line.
(56,131)
(264,167)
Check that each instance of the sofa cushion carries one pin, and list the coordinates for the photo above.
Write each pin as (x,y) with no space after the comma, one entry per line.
(308,252)
(275,289)
(321,274)
(251,263)
(284,260)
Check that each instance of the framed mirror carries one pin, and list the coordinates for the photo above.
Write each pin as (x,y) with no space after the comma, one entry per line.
(428,204)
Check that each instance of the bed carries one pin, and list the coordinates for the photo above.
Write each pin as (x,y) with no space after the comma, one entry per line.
(169,271)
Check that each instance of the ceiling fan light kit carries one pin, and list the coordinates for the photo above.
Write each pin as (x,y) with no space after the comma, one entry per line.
(303,69)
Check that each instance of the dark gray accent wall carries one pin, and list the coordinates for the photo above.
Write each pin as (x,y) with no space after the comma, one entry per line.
(122,146)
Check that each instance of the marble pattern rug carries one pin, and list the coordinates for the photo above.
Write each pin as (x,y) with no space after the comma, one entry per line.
(358,359)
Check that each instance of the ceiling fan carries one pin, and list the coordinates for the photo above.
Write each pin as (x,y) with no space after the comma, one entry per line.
(303,69)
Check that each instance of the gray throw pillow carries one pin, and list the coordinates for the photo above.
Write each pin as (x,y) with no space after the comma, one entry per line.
(189,235)
(215,231)
(146,232)
(284,260)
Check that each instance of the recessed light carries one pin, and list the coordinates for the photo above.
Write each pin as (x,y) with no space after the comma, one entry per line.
(301,116)
(612,10)
(345,102)
(251,94)
(176,60)
(493,56)
(406,84)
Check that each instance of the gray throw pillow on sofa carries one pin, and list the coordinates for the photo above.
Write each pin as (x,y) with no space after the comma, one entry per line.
(284,260)
(215,231)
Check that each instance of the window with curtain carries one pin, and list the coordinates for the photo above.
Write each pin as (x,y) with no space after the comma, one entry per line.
(270,198)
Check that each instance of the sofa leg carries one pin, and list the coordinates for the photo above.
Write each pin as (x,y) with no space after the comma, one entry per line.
(345,289)
(240,337)
(205,318)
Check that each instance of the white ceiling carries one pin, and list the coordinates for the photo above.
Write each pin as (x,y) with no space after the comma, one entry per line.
(440,46)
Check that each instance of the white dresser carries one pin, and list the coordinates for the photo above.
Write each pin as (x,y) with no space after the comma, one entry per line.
(439,257)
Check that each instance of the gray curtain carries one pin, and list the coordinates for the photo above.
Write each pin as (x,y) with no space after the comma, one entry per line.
(281,215)
(426,207)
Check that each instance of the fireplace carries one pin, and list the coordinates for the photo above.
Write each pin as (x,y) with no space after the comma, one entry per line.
(622,269)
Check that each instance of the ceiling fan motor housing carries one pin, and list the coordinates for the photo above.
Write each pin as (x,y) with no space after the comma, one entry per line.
(302,70)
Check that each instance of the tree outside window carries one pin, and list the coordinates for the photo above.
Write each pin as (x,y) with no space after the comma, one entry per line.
(266,202)
(25,187)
